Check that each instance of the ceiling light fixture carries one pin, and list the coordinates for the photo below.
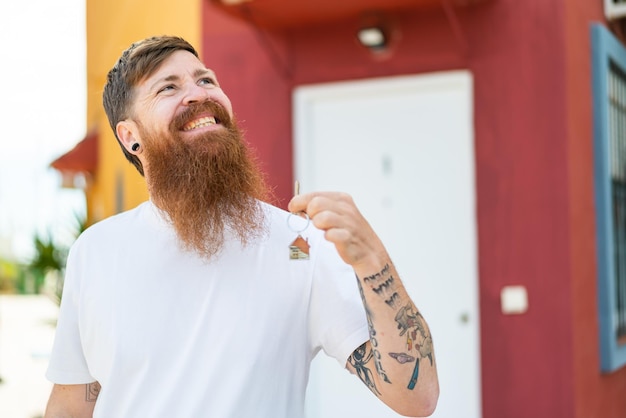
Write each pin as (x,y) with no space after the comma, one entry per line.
(373,37)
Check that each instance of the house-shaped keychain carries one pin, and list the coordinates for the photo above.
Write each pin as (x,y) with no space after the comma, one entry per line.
(299,249)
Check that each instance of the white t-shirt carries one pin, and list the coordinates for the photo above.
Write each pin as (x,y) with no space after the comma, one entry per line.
(168,334)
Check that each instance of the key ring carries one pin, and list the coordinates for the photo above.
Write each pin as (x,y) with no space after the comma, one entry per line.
(297,231)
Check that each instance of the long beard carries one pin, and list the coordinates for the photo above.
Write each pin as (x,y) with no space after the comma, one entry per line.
(207,185)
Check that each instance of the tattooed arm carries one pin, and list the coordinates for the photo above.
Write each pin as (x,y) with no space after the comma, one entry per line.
(72,401)
(399,361)
(397,364)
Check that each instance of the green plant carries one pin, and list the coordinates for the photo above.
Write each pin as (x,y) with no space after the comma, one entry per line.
(50,258)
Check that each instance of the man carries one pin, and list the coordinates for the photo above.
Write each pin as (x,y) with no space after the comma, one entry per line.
(193,304)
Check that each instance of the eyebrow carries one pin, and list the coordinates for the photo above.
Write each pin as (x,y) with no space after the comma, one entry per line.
(196,74)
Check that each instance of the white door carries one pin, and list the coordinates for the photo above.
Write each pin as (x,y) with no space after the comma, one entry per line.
(403,147)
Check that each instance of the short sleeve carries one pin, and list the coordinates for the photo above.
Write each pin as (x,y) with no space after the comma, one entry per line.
(338,324)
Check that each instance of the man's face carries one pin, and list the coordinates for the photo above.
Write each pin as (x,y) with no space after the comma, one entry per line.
(197,166)
(182,80)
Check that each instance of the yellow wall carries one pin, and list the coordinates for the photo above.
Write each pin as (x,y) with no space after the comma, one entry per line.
(112,25)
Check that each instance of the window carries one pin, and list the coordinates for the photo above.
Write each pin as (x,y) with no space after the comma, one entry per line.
(609,100)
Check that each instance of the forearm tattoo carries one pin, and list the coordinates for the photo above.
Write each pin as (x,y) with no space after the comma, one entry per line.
(384,285)
(359,360)
(375,354)
(92,391)
(410,322)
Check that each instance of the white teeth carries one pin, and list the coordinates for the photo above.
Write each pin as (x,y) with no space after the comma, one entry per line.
(199,123)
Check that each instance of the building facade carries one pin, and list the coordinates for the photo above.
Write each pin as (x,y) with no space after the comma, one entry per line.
(547,282)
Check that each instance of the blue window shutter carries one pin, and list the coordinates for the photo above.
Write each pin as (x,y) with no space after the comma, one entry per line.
(608,55)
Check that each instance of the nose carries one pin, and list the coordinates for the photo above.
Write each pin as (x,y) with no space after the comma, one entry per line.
(199,93)
(195,93)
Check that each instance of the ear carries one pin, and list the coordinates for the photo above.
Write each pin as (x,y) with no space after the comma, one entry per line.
(128,134)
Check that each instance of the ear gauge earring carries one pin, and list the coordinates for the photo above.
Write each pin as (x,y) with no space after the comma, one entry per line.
(135,146)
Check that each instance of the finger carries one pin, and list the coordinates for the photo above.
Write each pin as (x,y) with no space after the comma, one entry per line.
(320,204)
(326,220)
(349,250)
(298,203)
(301,203)
(338,236)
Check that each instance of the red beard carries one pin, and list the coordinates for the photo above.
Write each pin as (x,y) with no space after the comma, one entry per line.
(206,184)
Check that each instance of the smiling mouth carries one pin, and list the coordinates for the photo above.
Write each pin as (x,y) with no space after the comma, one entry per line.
(200,123)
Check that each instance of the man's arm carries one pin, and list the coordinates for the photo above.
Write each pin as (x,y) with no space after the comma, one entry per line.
(398,362)
(72,401)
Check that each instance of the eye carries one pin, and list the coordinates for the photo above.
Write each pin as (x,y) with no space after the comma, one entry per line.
(166,88)
(207,81)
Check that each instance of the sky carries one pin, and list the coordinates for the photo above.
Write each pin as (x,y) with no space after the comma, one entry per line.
(42,114)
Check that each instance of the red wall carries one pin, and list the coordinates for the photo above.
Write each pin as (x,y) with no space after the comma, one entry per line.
(530,62)
(521,148)
(597,395)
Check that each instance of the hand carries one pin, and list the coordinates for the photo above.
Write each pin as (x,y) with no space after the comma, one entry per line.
(337,215)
